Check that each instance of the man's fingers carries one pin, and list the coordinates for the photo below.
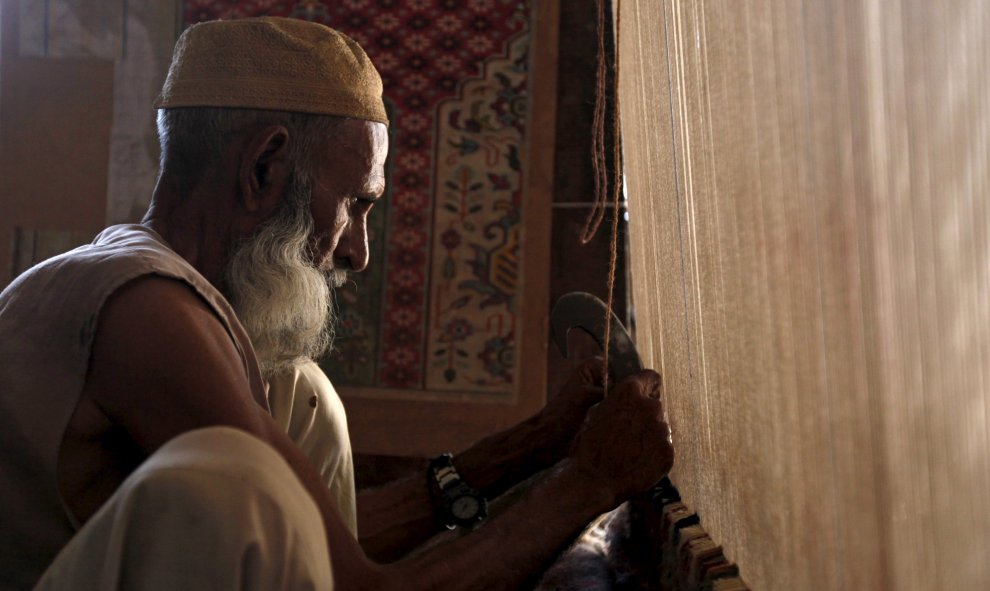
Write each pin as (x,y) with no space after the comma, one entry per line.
(665,429)
(652,384)
(588,392)
(647,383)
(589,372)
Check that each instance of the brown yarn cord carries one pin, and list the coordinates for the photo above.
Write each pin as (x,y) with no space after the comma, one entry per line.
(598,163)
(601,171)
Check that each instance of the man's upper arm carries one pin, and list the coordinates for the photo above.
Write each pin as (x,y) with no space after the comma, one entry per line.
(162,363)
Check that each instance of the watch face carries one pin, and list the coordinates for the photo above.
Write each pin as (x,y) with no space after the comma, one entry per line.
(465,507)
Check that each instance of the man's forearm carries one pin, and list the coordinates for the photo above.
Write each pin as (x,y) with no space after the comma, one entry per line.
(500,461)
(604,467)
(394,519)
(509,550)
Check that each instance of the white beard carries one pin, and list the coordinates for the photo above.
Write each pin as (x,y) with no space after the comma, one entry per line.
(281,298)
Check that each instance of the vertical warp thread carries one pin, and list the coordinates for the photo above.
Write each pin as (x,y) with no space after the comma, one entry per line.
(837,284)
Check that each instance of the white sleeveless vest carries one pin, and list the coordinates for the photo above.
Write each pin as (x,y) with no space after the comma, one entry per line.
(48,317)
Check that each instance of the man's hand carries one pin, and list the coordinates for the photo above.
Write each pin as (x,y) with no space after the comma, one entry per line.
(562,417)
(625,441)
(397,517)
(622,449)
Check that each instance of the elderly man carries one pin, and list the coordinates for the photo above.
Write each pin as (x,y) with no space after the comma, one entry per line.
(137,444)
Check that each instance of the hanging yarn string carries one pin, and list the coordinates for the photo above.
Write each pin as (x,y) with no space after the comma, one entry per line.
(616,194)
(600,165)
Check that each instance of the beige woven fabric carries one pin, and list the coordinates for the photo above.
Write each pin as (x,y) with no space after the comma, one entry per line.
(273,63)
(810,232)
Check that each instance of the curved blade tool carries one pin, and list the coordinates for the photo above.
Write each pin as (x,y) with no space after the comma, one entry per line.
(585,311)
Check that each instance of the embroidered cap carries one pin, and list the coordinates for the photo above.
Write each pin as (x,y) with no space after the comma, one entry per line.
(273,63)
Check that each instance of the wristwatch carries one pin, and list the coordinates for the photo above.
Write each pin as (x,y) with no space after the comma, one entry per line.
(459,504)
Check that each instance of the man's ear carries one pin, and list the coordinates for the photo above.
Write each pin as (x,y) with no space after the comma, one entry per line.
(265,171)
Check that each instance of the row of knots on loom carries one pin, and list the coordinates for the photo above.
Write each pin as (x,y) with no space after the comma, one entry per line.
(654,542)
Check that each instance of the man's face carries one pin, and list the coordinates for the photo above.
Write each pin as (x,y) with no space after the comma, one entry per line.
(347,182)
(279,281)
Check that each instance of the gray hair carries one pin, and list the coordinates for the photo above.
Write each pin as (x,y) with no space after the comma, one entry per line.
(193,139)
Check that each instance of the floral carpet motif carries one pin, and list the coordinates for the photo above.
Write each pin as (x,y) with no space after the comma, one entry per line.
(437,307)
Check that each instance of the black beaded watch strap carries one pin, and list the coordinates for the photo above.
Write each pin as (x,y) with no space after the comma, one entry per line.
(454,495)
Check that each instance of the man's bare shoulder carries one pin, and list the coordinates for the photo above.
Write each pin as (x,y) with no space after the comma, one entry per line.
(162,363)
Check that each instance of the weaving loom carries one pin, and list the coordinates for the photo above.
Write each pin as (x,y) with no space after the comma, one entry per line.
(807,185)
(810,230)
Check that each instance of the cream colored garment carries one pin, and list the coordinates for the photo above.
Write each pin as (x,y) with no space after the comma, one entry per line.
(212,509)
(306,406)
(48,317)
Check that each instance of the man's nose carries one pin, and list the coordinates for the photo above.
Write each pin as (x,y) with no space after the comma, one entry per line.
(352,249)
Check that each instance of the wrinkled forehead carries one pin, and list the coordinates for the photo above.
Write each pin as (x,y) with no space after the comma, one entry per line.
(362,134)
(356,157)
